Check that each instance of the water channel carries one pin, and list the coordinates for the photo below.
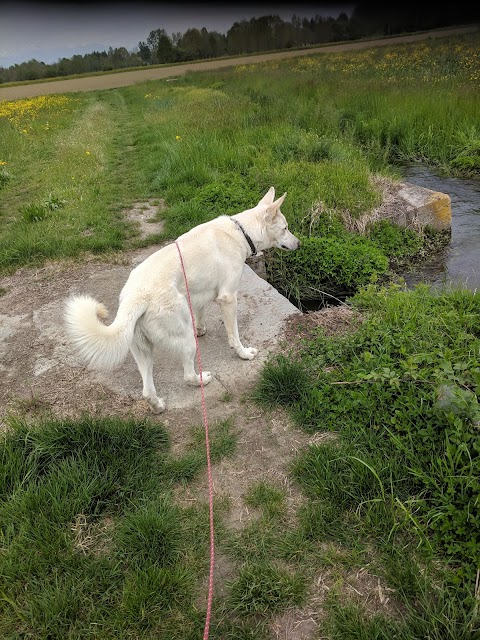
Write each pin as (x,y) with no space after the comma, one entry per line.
(459,262)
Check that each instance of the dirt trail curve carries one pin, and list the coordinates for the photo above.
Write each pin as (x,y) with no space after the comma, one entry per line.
(126,78)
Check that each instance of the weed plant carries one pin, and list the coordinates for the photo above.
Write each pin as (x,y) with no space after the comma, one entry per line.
(262,588)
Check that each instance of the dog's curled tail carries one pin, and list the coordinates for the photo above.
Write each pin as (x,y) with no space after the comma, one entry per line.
(101,346)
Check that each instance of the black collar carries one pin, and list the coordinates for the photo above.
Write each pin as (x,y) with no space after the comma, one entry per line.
(247,237)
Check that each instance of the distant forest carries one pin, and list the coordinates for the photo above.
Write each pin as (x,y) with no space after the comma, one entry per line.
(266,33)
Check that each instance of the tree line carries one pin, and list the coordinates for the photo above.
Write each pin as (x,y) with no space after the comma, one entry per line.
(264,33)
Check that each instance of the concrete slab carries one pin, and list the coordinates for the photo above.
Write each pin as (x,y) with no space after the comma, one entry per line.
(262,311)
(426,207)
(38,363)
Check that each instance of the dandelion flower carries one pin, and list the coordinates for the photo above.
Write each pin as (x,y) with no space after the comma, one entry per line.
(87,153)
(178,137)
(2,162)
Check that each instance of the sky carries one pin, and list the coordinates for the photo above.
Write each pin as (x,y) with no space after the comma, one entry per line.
(48,31)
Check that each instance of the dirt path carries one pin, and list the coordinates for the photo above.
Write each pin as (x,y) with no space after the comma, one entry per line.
(126,78)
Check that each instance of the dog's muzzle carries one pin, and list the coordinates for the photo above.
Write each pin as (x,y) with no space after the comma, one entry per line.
(293,245)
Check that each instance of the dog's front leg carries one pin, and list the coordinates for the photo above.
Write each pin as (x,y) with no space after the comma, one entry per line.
(228,304)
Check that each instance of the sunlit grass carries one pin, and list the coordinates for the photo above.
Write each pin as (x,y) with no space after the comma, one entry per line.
(434,61)
(69,161)
(93,544)
(213,143)
(24,114)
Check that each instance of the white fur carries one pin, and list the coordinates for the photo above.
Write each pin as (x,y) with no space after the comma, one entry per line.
(153,303)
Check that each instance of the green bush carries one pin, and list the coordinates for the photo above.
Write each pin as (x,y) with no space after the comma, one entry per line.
(396,242)
(4,177)
(226,196)
(266,589)
(337,266)
(466,151)
(53,202)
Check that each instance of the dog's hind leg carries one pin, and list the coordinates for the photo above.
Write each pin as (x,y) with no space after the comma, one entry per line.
(200,322)
(142,351)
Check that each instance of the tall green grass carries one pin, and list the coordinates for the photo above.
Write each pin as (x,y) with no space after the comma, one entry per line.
(64,155)
(403,474)
(93,543)
(212,143)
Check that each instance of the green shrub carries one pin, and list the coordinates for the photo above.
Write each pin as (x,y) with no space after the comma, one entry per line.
(466,151)
(226,196)
(151,534)
(4,177)
(338,266)
(396,242)
(282,381)
(52,203)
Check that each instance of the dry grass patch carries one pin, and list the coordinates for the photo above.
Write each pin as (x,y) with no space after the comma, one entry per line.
(333,321)
(92,536)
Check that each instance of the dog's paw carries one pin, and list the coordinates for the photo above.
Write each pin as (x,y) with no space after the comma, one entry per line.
(157,405)
(195,381)
(206,377)
(201,331)
(248,353)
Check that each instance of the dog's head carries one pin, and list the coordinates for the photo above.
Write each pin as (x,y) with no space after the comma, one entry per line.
(276,224)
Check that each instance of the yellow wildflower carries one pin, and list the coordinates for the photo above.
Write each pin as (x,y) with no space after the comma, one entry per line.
(87,153)
(22,112)
(178,137)
(2,162)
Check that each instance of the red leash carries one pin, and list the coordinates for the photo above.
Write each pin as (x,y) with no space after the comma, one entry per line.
(209,469)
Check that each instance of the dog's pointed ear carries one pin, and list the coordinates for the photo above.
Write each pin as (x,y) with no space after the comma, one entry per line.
(278,203)
(268,197)
(274,208)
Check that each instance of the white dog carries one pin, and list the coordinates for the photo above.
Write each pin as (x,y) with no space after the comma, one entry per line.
(154,305)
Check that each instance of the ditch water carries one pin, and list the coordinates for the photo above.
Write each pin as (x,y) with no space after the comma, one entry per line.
(459,262)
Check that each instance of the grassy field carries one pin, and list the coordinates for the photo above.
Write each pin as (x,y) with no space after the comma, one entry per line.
(93,541)
(213,143)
